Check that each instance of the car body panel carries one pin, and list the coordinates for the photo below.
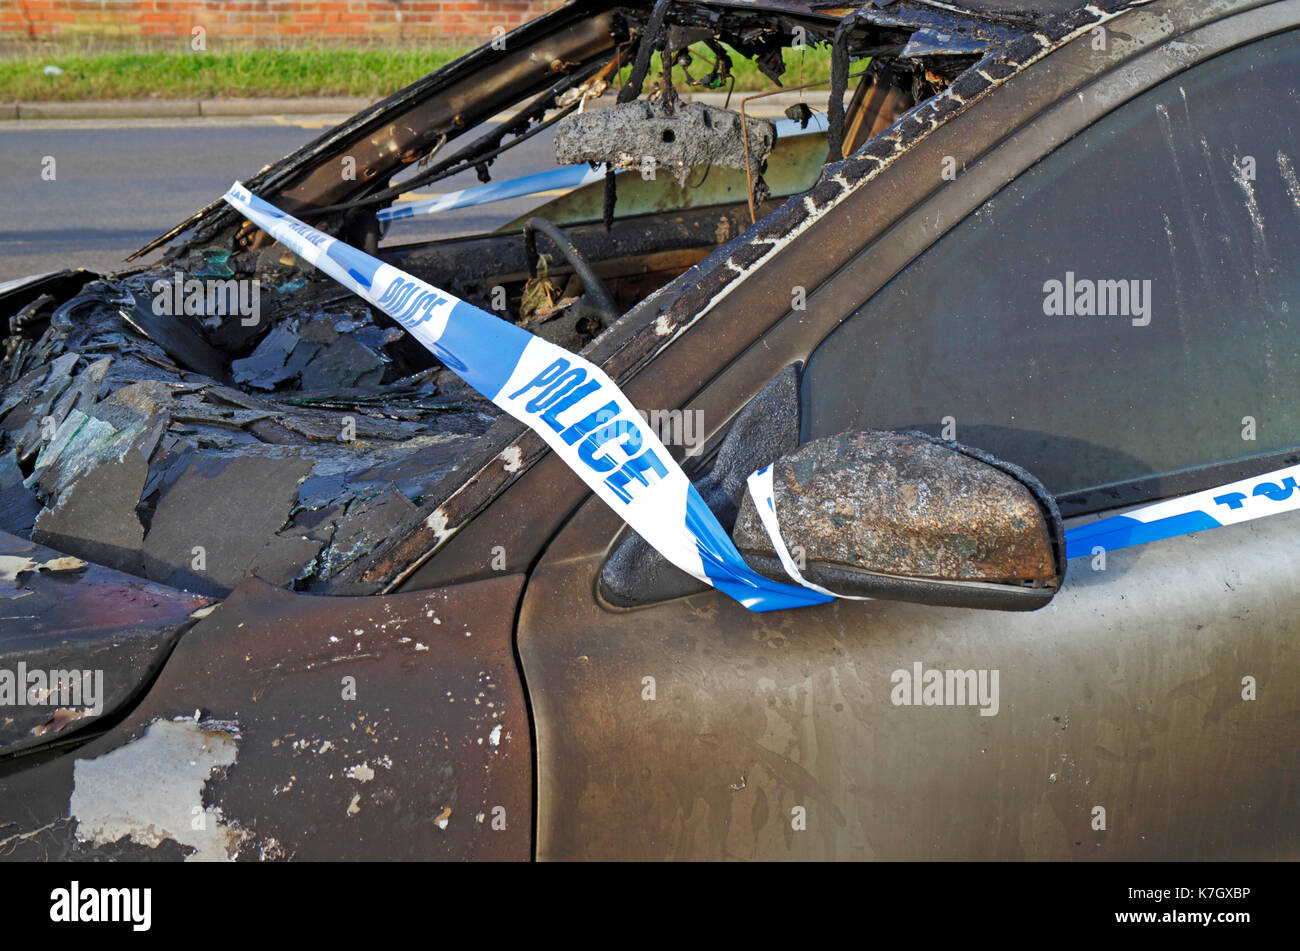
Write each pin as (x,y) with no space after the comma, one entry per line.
(59,613)
(1125,694)
(295,727)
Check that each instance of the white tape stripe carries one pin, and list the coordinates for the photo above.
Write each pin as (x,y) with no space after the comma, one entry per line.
(1234,502)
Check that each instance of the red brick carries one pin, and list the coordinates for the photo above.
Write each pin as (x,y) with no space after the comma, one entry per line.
(270,17)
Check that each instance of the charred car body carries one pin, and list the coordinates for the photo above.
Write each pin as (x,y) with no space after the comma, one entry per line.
(344,608)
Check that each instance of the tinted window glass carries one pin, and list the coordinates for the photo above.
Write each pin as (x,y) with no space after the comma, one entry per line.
(1119,309)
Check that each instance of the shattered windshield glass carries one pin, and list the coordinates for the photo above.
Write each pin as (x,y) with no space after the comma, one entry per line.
(156,453)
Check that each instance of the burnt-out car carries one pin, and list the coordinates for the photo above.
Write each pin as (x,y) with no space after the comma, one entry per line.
(323,600)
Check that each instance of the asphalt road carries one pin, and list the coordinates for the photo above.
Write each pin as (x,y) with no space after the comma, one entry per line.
(120,183)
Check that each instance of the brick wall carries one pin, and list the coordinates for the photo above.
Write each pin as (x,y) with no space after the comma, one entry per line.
(468,19)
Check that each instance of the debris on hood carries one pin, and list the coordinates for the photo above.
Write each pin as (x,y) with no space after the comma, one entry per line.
(161,441)
(326,353)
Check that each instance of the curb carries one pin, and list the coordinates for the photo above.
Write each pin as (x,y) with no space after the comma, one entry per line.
(306,106)
(109,109)
(319,105)
(182,108)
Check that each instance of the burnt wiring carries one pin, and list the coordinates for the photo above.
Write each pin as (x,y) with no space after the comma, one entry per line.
(651,38)
(749,176)
(839,85)
(428,156)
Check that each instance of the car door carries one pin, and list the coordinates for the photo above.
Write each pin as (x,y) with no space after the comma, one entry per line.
(1149,711)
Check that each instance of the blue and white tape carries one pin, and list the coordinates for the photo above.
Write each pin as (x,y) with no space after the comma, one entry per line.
(565,399)
(566,177)
(760,488)
(590,424)
(1268,494)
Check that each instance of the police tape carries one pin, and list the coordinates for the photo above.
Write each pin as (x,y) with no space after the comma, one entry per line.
(567,177)
(1269,494)
(587,420)
(566,400)
(760,489)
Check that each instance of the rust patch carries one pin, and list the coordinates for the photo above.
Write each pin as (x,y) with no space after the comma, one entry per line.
(906,506)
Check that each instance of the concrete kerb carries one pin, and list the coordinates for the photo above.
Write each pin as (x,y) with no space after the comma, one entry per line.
(316,105)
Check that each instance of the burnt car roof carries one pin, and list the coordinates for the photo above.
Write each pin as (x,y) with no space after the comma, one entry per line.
(394,144)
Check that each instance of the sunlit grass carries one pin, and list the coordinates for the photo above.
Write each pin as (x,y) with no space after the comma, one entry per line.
(171,74)
(98,70)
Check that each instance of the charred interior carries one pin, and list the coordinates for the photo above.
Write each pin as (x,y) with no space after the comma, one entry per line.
(157,422)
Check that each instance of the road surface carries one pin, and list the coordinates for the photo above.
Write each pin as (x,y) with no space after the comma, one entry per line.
(119,183)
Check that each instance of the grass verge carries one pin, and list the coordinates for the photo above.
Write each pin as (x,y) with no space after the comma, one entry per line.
(160,74)
(371,70)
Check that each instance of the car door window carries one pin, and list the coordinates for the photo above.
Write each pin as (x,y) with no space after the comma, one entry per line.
(1126,308)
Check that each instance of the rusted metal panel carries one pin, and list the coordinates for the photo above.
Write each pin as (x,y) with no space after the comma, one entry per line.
(793,167)
(298,727)
(109,630)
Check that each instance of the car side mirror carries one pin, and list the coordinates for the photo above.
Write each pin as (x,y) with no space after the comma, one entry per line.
(907,517)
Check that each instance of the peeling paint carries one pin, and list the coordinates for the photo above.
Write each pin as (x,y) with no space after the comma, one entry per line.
(1287,170)
(437,523)
(362,773)
(61,718)
(11,566)
(111,802)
